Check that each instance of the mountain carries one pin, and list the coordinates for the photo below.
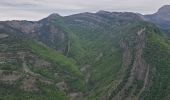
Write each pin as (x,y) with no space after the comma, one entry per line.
(86,56)
(161,18)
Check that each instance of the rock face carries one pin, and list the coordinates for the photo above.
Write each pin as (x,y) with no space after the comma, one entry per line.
(43,30)
(161,17)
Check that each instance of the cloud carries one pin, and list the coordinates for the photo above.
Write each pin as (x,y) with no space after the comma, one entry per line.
(37,9)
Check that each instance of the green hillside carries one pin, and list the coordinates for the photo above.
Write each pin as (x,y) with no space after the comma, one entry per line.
(157,54)
(87,56)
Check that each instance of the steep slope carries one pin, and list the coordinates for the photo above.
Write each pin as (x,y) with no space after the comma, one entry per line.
(114,61)
(93,56)
(31,70)
(44,30)
(107,55)
(157,54)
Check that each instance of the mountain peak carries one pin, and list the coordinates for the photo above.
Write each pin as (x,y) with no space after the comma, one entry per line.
(103,12)
(164,9)
(54,15)
(161,18)
(51,17)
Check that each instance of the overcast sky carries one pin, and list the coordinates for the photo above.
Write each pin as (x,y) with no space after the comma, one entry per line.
(38,9)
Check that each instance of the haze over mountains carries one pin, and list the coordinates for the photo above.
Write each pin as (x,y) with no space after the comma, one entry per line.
(161,17)
(87,56)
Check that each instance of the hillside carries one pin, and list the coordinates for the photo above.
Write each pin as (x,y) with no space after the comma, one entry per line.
(29,69)
(86,56)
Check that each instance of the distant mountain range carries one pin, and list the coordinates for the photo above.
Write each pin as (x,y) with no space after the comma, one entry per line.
(87,56)
(161,18)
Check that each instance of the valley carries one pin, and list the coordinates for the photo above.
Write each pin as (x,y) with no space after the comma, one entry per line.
(86,56)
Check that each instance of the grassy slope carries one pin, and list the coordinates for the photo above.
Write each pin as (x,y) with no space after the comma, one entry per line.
(50,54)
(67,66)
(157,54)
(75,49)
(101,39)
(87,44)
(13,91)
(8,92)
(104,58)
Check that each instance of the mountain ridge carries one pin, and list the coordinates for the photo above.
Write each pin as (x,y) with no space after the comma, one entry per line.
(161,17)
(86,56)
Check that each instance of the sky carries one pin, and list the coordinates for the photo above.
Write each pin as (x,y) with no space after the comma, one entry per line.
(38,9)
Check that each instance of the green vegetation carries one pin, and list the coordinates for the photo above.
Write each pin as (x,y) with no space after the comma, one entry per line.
(101,43)
(139,84)
(53,55)
(9,92)
(9,66)
(66,66)
(125,78)
(157,54)
(91,59)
